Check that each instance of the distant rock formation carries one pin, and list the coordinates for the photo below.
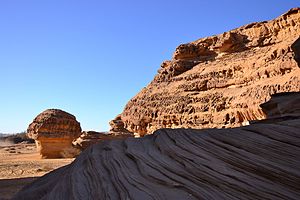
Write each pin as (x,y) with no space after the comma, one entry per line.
(15,138)
(54,130)
(259,161)
(88,138)
(219,81)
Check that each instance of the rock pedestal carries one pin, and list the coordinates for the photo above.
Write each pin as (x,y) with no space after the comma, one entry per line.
(53,131)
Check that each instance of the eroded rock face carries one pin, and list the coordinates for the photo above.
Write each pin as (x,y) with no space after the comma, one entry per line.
(54,130)
(260,161)
(282,105)
(117,125)
(220,81)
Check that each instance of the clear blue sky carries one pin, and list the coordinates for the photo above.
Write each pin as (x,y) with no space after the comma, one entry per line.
(90,57)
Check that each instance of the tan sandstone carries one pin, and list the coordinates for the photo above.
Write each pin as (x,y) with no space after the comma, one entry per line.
(54,131)
(259,161)
(213,82)
(219,81)
(88,138)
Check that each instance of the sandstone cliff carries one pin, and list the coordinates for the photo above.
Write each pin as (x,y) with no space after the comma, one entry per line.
(53,131)
(259,161)
(219,81)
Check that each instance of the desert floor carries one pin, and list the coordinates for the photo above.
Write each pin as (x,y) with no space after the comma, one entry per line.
(20,164)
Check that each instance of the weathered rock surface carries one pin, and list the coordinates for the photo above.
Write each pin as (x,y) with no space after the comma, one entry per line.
(260,161)
(282,105)
(88,138)
(53,131)
(220,81)
(117,125)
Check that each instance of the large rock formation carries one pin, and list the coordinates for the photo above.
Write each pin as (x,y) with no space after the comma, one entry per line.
(260,161)
(54,130)
(220,81)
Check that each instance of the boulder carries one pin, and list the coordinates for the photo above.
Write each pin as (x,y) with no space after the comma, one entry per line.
(53,131)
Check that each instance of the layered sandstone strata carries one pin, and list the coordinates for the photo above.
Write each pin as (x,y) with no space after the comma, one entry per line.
(88,138)
(259,161)
(219,81)
(53,131)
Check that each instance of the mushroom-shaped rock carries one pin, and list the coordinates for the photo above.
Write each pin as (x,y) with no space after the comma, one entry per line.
(53,131)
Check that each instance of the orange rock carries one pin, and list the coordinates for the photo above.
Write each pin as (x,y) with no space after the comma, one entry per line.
(88,138)
(53,131)
(259,161)
(220,81)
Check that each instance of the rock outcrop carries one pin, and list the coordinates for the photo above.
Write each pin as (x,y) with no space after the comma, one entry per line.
(259,161)
(220,81)
(282,105)
(53,131)
(88,138)
(117,125)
